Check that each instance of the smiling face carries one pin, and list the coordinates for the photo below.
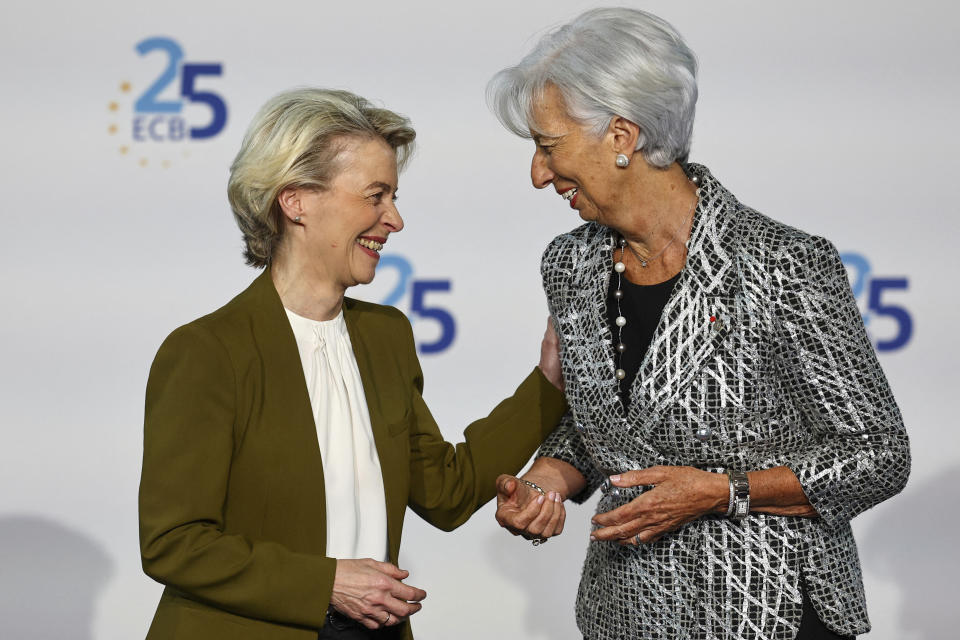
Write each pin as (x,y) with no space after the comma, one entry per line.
(342,229)
(578,164)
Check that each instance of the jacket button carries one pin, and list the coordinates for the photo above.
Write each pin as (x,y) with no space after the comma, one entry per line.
(704,433)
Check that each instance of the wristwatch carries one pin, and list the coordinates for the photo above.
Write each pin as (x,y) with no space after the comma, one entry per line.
(739,505)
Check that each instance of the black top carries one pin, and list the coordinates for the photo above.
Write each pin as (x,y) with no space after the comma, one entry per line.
(642,306)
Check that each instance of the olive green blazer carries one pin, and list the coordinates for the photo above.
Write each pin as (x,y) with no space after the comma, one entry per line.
(232,505)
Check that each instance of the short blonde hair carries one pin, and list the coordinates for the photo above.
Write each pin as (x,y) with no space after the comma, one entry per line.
(294,142)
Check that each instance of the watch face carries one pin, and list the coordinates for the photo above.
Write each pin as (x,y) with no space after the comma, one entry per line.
(739,495)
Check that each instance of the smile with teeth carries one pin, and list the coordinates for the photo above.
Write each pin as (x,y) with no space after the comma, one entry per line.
(569,193)
(370,244)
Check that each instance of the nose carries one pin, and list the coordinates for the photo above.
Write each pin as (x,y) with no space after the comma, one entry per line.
(391,218)
(540,173)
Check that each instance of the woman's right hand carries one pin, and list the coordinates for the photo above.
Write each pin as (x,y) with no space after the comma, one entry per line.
(367,591)
(522,511)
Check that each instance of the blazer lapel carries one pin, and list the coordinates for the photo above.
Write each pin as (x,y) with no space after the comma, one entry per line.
(363,352)
(585,335)
(701,310)
(392,464)
(280,356)
(284,386)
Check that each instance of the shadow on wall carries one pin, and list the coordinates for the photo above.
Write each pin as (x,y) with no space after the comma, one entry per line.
(50,578)
(914,545)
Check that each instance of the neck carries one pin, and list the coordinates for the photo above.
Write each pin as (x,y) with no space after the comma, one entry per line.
(304,288)
(655,206)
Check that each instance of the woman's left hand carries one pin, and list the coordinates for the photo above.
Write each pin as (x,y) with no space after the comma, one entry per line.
(680,495)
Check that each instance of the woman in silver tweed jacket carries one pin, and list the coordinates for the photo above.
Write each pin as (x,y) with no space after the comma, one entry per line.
(723,393)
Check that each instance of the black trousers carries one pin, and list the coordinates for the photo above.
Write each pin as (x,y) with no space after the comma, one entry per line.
(811,627)
(340,627)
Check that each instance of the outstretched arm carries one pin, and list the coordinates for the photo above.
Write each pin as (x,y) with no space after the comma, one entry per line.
(448,483)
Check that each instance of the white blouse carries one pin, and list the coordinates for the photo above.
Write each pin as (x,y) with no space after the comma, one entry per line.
(356,508)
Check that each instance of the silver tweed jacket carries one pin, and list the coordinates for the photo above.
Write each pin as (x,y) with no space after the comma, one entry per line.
(783,376)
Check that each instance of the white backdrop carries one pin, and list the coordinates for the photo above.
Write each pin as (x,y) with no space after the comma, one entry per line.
(835,117)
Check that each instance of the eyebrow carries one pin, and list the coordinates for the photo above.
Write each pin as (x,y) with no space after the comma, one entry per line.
(380,185)
(540,137)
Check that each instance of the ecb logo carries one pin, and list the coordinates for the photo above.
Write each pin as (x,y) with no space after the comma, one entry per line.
(160,120)
(175,105)
(421,298)
(889,324)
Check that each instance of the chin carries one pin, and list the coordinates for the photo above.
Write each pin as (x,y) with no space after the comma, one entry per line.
(364,278)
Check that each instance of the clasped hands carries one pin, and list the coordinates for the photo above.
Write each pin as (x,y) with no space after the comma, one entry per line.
(373,594)
(679,495)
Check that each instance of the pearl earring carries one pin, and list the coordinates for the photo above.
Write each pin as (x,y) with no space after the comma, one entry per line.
(622,161)
(297,219)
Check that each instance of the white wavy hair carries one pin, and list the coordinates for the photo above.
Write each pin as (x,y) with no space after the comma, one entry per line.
(606,63)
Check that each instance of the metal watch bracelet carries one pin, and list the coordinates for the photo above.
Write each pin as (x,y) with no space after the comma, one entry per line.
(739,505)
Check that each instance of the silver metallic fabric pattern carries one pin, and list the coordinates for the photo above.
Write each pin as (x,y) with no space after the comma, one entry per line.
(760,360)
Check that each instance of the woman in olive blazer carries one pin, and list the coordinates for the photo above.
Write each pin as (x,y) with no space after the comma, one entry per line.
(233,510)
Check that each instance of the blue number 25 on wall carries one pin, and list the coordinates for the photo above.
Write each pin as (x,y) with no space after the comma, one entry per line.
(418,304)
(149,101)
(864,285)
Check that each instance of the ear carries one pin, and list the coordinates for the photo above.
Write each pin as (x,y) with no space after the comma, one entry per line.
(290,202)
(623,135)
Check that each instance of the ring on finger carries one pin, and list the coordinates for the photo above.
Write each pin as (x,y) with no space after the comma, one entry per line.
(539,541)
(636,539)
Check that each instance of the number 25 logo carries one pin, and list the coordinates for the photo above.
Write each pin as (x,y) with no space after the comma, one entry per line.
(419,308)
(862,282)
(169,125)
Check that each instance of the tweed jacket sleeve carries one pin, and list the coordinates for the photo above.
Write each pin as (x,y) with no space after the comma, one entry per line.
(566,443)
(861,455)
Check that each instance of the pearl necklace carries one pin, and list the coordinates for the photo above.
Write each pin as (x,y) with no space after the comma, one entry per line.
(619,267)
